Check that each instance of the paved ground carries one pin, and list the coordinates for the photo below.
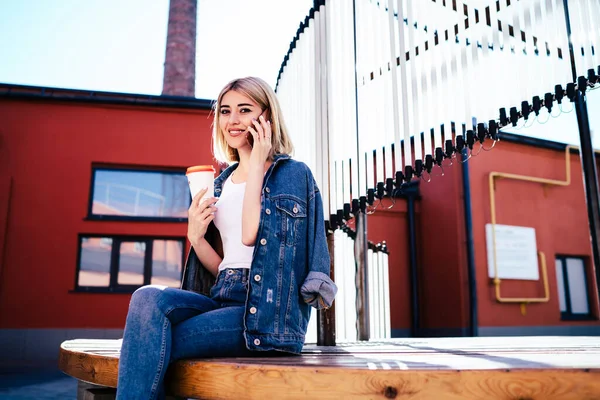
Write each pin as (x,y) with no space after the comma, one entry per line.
(43,383)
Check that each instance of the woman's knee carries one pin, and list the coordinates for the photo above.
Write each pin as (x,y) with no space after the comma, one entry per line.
(146,296)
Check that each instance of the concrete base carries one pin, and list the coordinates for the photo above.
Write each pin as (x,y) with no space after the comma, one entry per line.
(41,346)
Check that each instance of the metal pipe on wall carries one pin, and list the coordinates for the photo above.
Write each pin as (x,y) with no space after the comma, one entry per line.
(472,277)
(415,317)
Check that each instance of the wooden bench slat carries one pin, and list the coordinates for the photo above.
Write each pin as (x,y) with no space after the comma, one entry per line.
(217,382)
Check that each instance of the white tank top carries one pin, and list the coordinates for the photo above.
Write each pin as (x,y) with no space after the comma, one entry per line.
(228,220)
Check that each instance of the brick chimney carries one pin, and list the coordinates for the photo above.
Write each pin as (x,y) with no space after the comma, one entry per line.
(180,59)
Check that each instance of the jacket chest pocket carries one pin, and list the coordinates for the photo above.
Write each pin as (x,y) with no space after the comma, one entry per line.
(292,216)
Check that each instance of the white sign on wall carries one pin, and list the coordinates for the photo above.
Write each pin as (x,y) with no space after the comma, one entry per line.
(516,252)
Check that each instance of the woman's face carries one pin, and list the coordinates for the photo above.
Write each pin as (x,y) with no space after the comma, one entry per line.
(237,112)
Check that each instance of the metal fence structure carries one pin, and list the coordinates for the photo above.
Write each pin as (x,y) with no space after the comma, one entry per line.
(380,93)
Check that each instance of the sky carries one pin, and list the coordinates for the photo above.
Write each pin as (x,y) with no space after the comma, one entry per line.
(119,45)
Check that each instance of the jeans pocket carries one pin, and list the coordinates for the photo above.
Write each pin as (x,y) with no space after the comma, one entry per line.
(216,288)
(231,287)
(238,292)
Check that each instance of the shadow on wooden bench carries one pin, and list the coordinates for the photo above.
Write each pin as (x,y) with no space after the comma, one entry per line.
(441,368)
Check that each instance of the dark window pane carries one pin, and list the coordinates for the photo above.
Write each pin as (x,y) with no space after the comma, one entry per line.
(140,194)
(166,262)
(95,262)
(131,263)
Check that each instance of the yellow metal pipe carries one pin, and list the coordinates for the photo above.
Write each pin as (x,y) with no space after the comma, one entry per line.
(544,299)
(493,175)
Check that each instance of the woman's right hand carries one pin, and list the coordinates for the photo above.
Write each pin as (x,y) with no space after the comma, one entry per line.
(200,214)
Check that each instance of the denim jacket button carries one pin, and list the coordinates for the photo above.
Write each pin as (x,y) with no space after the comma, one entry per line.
(263,241)
(295,210)
(268,211)
(267,190)
(252,310)
(257,278)
(257,342)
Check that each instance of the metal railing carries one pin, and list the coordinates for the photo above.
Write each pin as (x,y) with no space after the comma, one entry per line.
(379,93)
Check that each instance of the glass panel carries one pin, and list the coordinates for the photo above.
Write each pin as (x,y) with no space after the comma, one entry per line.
(95,262)
(140,194)
(167,258)
(560,284)
(577,286)
(131,263)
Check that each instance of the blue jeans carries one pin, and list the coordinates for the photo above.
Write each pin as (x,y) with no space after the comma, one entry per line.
(166,324)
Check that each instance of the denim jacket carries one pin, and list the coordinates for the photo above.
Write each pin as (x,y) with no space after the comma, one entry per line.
(290,266)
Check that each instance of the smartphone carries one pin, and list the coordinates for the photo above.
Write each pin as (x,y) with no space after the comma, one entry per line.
(250,139)
(249,136)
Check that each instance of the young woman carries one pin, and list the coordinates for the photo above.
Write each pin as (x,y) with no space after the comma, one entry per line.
(271,261)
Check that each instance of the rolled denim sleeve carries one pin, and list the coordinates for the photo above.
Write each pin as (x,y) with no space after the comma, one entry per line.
(318,289)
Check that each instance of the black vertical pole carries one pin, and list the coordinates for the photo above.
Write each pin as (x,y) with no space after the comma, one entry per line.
(588,161)
(473,305)
(590,178)
(415,326)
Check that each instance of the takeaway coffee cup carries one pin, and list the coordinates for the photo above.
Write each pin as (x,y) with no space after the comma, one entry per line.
(199,177)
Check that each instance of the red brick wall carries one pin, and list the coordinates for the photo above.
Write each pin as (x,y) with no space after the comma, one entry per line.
(558,214)
(443,251)
(392,226)
(47,150)
(50,148)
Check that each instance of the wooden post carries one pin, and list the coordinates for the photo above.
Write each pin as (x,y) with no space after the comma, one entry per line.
(362,278)
(326,318)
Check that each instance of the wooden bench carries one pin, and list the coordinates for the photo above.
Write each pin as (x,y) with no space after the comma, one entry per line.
(507,368)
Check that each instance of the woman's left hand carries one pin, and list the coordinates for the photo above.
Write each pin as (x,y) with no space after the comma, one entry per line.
(261,132)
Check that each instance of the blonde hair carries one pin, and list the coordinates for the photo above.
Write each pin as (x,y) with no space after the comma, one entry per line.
(261,93)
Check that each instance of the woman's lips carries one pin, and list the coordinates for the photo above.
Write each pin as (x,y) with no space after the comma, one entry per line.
(236,132)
